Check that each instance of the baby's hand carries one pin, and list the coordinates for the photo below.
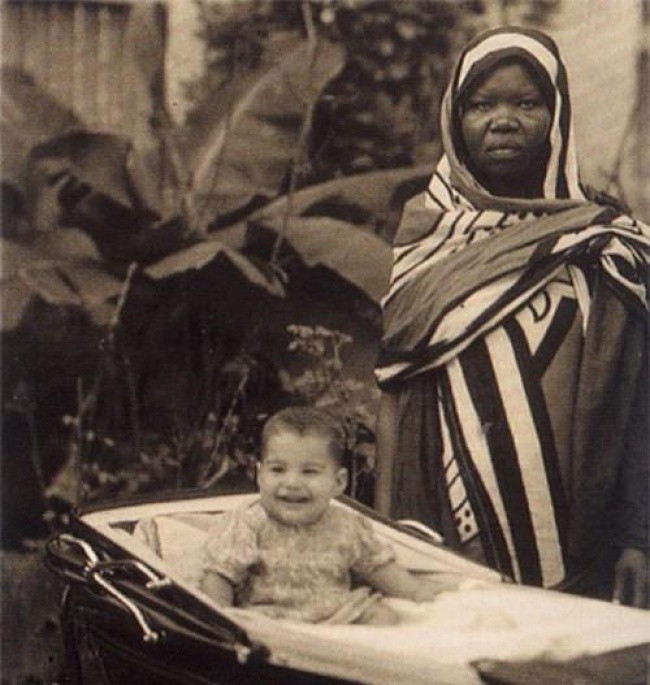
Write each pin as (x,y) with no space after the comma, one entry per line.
(218,588)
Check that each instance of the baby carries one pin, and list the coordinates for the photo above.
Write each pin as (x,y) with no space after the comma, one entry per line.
(292,554)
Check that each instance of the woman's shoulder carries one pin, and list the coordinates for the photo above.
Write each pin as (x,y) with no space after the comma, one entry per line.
(603,198)
(416,222)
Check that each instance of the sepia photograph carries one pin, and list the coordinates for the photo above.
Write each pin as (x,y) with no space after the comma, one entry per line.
(324,351)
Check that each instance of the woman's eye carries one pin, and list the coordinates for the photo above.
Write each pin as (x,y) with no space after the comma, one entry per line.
(479,106)
(528,104)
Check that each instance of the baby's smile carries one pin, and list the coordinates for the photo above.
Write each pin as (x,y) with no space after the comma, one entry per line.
(293,499)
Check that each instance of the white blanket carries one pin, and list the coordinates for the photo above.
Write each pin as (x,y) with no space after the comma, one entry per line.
(436,642)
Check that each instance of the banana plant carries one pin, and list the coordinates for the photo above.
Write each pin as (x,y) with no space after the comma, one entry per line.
(234,161)
(239,147)
(208,237)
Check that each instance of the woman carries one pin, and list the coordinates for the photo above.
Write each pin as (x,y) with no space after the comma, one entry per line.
(513,363)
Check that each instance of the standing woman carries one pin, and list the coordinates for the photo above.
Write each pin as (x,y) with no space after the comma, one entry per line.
(513,363)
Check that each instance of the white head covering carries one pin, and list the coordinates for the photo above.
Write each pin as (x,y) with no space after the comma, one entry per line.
(561,180)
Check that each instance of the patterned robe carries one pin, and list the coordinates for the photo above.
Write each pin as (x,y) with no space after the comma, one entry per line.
(515,346)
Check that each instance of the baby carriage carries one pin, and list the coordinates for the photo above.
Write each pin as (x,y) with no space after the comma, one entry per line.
(132,613)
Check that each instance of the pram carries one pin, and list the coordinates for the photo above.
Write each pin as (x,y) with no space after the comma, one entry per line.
(132,613)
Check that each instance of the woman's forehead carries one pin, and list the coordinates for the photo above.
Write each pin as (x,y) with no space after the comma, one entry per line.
(523,66)
(512,73)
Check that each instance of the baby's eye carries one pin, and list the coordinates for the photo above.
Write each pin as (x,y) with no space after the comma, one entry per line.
(310,472)
(275,468)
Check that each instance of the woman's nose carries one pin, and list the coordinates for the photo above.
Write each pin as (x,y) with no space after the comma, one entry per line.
(504,119)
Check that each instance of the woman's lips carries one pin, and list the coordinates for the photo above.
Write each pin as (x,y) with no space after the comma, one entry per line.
(504,151)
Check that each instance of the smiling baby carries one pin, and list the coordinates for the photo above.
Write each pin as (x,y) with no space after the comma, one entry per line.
(294,555)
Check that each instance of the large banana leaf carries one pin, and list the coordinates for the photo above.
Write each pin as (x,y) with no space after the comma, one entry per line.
(88,181)
(245,136)
(29,116)
(328,225)
(370,198)
(73,280)
(98,160)
(152,171)
(346,251)
(211,253)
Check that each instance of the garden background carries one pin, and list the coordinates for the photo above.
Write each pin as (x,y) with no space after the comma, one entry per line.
(197,205)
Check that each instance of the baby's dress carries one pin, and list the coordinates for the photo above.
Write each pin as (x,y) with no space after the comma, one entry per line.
(302,573)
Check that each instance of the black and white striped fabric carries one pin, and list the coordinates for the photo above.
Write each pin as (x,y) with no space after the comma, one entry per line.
(497,431)
(473,268)
(449,283)
(488,292)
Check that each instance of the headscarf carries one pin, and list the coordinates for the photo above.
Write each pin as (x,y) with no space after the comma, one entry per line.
(541,55)
(464,259)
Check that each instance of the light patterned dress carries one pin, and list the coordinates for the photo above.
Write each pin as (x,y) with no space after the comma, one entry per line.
(309,573)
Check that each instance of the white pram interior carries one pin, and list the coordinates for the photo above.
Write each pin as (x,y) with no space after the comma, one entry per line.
(479,617)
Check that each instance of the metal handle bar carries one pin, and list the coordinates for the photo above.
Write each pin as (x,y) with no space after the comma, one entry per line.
(91,557)
(154,581)
(94,568)
(148,635)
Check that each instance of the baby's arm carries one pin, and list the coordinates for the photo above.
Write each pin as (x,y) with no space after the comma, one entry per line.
(218,588)
(230,552)
(396,581)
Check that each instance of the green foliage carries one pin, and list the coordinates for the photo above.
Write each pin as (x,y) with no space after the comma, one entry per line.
(139,325)
(244,137)
(235,35)
(214,437)
(217,434)
(175,389)
(381,111)
(324,383)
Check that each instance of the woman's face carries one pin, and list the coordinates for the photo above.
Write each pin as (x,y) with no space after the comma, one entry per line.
(505,124)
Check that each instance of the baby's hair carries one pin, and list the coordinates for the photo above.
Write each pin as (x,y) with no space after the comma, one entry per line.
(307,421)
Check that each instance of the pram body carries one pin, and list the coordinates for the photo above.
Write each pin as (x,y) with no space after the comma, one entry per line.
(132,614)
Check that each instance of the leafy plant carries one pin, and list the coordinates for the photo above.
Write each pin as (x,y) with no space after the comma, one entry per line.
(381,110)
(174,389)
(324,383)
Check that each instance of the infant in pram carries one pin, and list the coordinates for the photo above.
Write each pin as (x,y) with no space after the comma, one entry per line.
(294,555)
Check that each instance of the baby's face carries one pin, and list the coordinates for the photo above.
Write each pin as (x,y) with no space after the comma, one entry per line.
(298,477)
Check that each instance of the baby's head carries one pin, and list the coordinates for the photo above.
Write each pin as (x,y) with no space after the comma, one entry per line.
(301,467)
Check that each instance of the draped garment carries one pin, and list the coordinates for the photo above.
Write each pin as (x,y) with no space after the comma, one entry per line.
(515,343)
